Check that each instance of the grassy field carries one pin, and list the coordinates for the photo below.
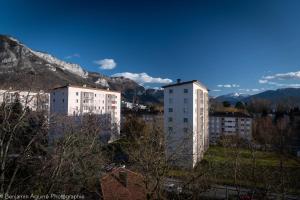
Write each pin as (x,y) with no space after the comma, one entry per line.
(219,154)
(252,169)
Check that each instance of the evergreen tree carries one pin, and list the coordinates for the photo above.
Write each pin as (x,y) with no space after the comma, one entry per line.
(239,105)
(226,104)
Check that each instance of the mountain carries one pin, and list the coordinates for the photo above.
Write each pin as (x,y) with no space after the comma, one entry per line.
(24,68)
(290,96)
(233,98)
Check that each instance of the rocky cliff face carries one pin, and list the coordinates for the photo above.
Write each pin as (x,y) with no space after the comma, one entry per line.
(24,68)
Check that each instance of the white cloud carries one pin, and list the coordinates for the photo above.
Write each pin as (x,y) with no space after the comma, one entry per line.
(293,85)
(106,64)
(252,90)
(284,76)
(75,55)
(157,88)
(255,90)
(262,81)
(216,90)
(143,78)
(229,85)
(154,88)
(272,79)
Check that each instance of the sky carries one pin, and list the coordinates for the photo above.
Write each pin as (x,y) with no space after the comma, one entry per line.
(244,46)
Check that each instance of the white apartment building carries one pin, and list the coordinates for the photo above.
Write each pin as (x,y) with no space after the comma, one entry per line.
(76,101)
(36,101)
(186,122)
(230,124)
(129,105)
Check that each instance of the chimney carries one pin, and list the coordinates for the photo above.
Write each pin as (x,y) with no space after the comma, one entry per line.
(178,80)
(123,178)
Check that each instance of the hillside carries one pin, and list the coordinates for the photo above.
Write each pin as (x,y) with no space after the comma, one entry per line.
(289,96)
(27,69)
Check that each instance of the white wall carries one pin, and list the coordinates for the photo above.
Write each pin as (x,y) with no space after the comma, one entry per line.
(33,100)
(76,101)
(59,101)
(185,135)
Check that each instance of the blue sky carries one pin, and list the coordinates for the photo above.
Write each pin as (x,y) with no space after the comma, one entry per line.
(244,46)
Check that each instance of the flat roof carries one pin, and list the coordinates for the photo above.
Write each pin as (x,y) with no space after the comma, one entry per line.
(84,87)
(186,82)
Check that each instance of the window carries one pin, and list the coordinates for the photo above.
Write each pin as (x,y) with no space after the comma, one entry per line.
(76,100)
(170,100)
(185,120)
(76,93)
(63,100)
(170,91)
(185,110)
(185,130)
(170,129)
(185,90)
(170,109)
(170,119)
(54,93)
(185,100)
(53,100)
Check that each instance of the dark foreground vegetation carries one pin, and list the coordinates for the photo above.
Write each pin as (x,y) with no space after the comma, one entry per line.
(76,161)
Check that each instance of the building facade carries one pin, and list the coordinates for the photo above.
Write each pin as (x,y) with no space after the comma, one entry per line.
(36,101)
(230,124)
(186,122)
(76,101)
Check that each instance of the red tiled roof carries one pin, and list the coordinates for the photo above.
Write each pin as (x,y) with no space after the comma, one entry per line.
(114,189)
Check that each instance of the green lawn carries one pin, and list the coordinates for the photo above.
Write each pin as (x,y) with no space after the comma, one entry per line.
(262,158)
(219,163)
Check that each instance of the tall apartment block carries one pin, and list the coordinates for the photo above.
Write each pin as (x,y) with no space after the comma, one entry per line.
(186,122)
(230,124)
(77,101)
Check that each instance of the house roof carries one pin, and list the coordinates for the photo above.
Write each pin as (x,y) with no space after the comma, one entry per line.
(84,87)
(186,82)
(113,188)
(230,114)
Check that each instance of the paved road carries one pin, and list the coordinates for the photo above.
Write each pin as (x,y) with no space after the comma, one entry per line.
(221,191)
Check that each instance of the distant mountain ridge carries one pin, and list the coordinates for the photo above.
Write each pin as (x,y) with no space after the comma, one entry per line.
(289,96)
(232,97)
(24,68)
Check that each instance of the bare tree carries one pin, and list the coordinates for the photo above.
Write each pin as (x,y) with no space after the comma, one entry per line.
(22,141)
(76,159)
